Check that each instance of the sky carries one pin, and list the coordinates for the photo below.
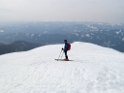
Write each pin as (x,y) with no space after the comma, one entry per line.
(110,11)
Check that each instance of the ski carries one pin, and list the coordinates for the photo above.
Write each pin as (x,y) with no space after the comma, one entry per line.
(62,60)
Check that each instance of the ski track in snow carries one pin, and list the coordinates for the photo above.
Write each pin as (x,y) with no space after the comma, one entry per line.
(35,72)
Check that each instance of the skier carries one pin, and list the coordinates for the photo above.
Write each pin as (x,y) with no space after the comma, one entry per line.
(65,49)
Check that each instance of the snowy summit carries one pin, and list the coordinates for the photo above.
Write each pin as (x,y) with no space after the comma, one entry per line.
(94,69)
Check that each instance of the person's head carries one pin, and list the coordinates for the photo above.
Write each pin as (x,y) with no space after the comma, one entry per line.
(65,41)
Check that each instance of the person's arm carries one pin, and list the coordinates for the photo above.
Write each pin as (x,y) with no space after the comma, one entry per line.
(66,47)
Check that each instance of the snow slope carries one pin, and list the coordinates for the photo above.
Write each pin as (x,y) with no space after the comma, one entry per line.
(95,69)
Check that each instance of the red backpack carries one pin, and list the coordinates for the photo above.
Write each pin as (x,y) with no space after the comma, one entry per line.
(69,46)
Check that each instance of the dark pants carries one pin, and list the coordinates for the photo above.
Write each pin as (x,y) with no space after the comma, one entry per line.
(66,56)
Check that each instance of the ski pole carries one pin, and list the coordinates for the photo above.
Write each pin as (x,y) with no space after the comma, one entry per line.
(60,54)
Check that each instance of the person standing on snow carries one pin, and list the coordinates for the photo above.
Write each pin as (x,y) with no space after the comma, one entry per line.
(65,49)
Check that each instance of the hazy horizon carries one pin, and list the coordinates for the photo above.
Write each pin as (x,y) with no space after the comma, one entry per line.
(108,11)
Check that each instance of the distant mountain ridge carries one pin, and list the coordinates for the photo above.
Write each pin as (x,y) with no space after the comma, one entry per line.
(42,33)
(16,46)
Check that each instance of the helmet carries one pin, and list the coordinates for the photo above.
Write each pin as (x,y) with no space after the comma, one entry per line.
(65,40)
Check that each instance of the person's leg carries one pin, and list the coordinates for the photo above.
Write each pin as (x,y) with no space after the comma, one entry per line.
(66,56)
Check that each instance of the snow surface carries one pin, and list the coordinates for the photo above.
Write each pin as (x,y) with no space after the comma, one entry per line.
(95,69)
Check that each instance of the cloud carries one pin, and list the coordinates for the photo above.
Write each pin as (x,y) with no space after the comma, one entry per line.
(62,10)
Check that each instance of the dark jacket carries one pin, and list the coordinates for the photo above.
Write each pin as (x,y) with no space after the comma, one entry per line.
(66,47)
